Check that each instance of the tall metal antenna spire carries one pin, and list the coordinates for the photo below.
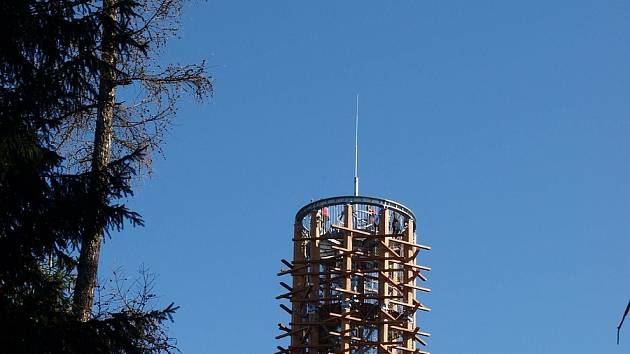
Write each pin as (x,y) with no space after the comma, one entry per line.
(356,150)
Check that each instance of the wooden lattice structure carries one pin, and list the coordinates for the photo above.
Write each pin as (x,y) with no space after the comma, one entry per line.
(354,277)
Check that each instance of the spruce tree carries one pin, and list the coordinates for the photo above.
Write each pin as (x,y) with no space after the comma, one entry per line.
(52,70)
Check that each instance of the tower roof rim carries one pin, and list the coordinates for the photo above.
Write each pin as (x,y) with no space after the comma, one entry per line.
(340,200)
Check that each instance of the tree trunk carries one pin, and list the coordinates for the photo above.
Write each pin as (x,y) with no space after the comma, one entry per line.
(87,269)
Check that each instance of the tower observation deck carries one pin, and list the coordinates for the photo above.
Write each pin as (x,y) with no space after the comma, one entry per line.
(354,279)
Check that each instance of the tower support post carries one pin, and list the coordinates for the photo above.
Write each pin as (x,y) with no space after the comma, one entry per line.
(383,284)
(315,233)
(346,327)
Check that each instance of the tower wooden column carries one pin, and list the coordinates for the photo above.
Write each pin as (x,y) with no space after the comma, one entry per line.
(313,277)
(383,283)
(409,236)
(346,269)
(297,292)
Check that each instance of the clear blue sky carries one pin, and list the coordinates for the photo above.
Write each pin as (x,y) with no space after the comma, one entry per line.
(505,126)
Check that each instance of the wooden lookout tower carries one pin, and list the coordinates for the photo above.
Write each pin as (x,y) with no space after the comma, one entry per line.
(354,279)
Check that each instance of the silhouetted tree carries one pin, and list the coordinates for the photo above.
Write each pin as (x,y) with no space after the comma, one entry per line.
(129,36)
(52,69)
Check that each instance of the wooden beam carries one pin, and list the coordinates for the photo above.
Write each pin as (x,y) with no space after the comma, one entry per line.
(347,291)
(347,268)
(292,270)
(386,245)
(411,244)
(412,256)
(316,228)
(426,290)
(287,263)
(383,287)
(409,236)
(288,310)
(350,229)
(391,282)
(298,308)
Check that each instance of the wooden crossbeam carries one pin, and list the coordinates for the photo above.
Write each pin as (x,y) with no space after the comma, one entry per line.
(285,335)
(309,346)
(350,229)
(412,257)
(347,291)
(353,272)
(401,303)
(296,291)
(426,290)
(376,270)
(404,329)
(360,297)
(344,250)
(390,281)
(292,270)
(424,334)
(415,351)
(387,314)
(384,348)
(346,317)
(317,238)
(411,244)
(308,262)
(288,310)
(390,250)
(364,321)
(338,334)
(342,333)
(341,249)
(412,265)
(421,341)
(290,333)
(287,263)
(282,350)
(283,327)
(420,275)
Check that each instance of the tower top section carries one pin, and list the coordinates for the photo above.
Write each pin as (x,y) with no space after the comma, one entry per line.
(343,200)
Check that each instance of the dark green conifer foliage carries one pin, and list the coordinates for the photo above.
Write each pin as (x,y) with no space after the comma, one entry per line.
(49,67)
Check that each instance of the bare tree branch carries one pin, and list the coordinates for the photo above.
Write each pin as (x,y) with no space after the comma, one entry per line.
(623,318)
